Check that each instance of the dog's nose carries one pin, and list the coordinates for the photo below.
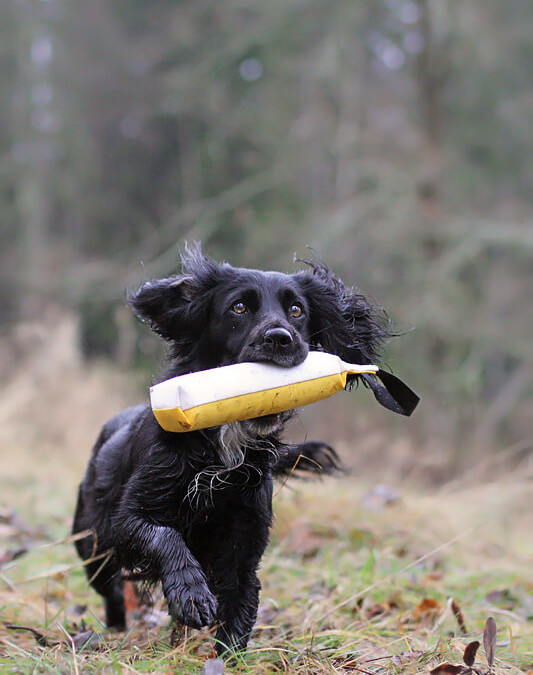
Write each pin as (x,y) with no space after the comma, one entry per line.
(278,337)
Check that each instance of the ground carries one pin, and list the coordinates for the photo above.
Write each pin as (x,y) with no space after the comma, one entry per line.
(355,579)
(345,589)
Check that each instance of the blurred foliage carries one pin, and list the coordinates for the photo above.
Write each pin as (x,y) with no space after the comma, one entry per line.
(393,136)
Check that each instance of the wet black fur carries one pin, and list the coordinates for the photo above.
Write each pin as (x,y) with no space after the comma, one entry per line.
(175,507)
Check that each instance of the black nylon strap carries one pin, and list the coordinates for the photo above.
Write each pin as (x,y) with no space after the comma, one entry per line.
(392,393)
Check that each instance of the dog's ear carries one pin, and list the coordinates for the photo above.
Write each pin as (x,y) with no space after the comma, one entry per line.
(176,307)
(163,303)
(342,321)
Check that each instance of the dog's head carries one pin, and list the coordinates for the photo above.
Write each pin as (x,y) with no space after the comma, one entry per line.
(214,314)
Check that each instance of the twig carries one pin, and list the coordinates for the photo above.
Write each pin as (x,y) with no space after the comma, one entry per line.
(293,468)
(72,645)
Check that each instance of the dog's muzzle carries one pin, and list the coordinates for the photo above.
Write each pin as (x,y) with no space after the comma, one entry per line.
(275,344)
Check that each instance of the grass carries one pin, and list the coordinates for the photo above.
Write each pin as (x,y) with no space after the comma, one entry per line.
(344,589)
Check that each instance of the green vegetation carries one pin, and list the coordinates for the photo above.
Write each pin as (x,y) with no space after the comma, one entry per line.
(344,590)
(345,580)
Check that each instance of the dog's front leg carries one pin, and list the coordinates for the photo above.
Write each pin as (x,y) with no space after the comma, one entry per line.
(162,552)
(236,551)
(237,613)
(311,457)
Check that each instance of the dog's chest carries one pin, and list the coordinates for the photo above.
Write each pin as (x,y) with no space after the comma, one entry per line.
(219,511)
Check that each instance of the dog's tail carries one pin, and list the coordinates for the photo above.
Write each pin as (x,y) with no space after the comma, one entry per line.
(312,457)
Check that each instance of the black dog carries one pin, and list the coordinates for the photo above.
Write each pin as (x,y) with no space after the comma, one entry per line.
(193,510)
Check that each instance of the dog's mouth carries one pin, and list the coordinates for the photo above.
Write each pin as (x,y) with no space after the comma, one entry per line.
(281,360)
(268,424)
(285,358)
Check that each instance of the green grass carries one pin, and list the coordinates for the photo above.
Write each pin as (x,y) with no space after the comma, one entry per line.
(342,588)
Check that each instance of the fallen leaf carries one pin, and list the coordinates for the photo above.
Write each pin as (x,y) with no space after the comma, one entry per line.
(458,615)
(367,651)
(213,667)
(469,655)
(379,497)
(325,531)
(10,555)
(437,575)
(301,539)
(88,639)
(502,598)
(155,618)
(407,657)
(427,610)
(131,600)
(78,610)
(358,605)
(446,669)
(56,596)
(489,640)
(375,610)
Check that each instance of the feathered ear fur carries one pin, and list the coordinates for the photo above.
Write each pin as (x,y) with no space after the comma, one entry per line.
(342,321)
(161,303)
(176,307)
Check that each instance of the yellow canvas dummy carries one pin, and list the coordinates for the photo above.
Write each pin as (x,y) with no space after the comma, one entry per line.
(245,390)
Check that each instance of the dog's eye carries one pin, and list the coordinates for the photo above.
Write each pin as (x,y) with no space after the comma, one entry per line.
(296,311)
(239,308)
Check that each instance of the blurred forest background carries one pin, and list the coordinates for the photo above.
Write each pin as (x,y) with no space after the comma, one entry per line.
(395,137)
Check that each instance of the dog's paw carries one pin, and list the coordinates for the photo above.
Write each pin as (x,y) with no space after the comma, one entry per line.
(192,604)
(195,611)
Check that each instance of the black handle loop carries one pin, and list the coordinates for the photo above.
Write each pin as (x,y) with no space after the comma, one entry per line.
(391,392)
